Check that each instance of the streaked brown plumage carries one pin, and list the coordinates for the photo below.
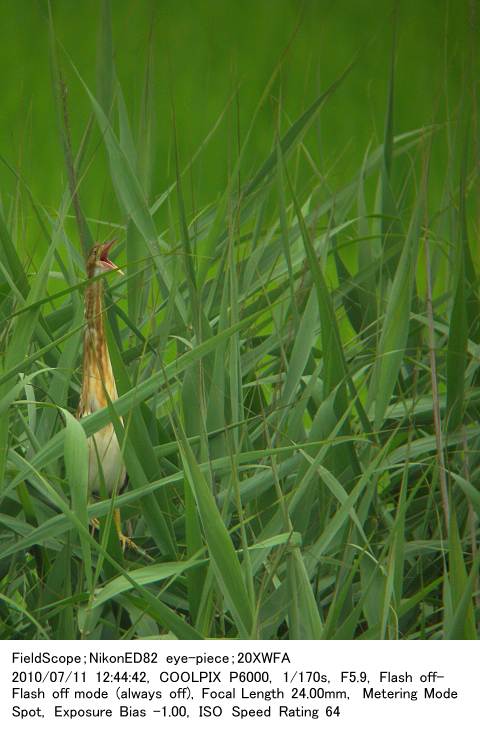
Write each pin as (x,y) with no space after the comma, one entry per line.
(98,380)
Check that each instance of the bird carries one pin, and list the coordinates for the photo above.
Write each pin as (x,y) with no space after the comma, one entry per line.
(104,452)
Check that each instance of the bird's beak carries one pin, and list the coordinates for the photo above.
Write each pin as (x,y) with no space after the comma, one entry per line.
(104,257)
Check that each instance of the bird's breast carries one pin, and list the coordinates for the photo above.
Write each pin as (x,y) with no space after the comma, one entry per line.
(105,457)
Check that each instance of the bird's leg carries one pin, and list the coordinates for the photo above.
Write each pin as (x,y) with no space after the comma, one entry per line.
(124,540)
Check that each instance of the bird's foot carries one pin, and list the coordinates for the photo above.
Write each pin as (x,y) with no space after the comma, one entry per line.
(94,524)
(127,542)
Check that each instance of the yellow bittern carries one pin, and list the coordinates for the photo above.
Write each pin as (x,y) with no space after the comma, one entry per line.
(104,453)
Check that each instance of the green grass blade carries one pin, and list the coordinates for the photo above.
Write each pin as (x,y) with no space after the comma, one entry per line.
(395,328)
(227,567)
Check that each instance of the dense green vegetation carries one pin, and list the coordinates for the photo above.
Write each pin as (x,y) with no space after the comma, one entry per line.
(296,337)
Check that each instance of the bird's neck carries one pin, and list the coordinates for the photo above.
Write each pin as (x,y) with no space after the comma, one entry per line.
(97,368)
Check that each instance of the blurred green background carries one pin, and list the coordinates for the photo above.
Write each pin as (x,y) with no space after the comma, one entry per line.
(201,50)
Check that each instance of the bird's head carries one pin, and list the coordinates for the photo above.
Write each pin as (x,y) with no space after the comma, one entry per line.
(98,260)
